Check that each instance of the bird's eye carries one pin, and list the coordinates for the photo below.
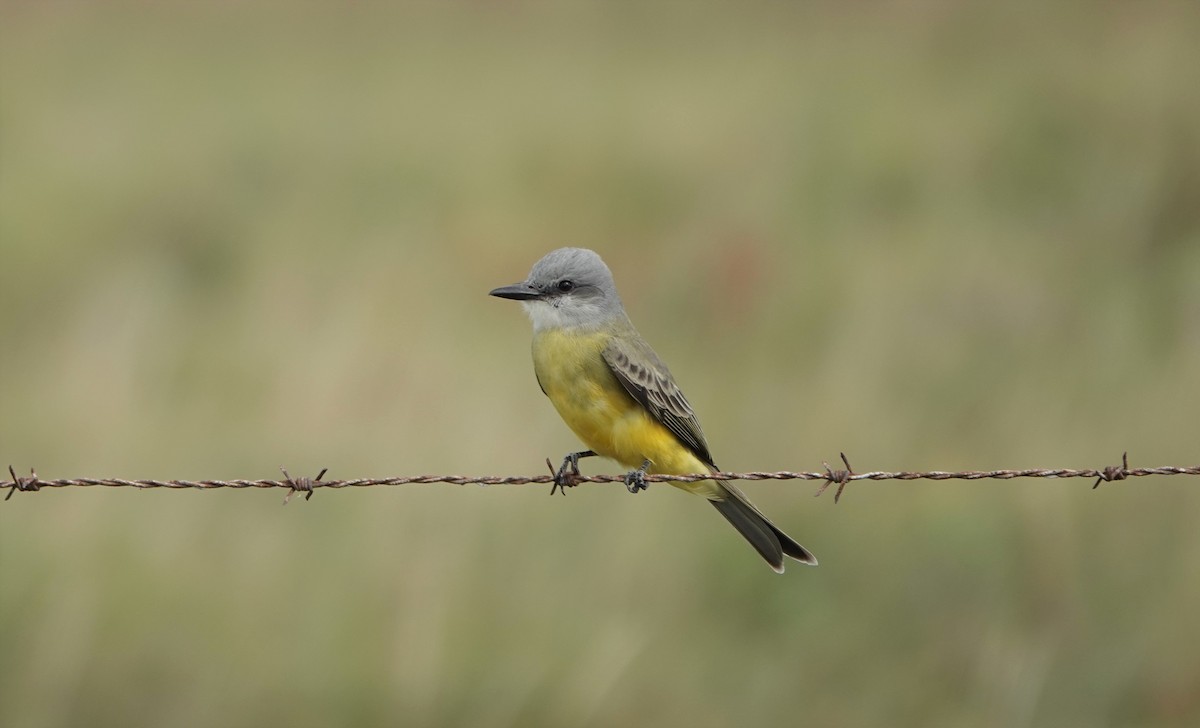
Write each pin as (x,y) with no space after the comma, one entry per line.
(565,286)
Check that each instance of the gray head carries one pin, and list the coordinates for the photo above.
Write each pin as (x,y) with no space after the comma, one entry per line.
(569,287)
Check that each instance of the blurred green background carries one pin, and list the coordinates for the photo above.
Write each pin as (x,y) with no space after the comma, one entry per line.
(930,235)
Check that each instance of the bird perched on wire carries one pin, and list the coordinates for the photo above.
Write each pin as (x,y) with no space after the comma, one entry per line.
(618,397)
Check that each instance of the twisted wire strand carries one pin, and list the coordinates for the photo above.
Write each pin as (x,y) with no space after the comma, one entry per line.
(827,477)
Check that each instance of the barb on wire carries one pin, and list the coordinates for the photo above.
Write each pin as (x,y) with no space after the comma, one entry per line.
(841,477)
(30,484)
(305,485)
(1106,474)
(1113,472)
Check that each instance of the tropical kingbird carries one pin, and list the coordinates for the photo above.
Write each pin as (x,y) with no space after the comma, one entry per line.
(614,392)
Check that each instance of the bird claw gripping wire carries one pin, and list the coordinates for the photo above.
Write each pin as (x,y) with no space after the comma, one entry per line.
(300,484)
(564,478)
(1114,472)
(29,484)
(635,480)
(841,477)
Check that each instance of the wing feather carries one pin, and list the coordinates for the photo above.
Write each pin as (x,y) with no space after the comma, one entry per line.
(646,378)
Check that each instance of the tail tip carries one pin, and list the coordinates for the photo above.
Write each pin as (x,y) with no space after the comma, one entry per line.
(808,560)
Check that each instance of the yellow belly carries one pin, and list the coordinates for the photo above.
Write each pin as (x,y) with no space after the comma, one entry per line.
(588,397)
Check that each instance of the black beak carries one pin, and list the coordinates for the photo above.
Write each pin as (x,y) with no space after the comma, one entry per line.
(516,292)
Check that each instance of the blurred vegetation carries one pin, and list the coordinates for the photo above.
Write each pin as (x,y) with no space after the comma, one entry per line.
(931,235)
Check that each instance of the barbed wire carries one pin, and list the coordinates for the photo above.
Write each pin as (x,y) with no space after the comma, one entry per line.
(828,477)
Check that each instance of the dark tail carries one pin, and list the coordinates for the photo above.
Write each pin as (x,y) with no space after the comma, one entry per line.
(771,543)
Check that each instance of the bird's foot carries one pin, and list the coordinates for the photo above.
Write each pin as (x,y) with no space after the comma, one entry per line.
(567,475)
(635,480)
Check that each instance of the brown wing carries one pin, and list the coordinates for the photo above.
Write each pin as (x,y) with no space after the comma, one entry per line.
(647,380)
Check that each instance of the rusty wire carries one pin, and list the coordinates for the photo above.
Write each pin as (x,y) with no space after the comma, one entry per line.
(827,477)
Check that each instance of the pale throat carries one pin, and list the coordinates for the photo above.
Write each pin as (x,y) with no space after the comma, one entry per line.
(547,316)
